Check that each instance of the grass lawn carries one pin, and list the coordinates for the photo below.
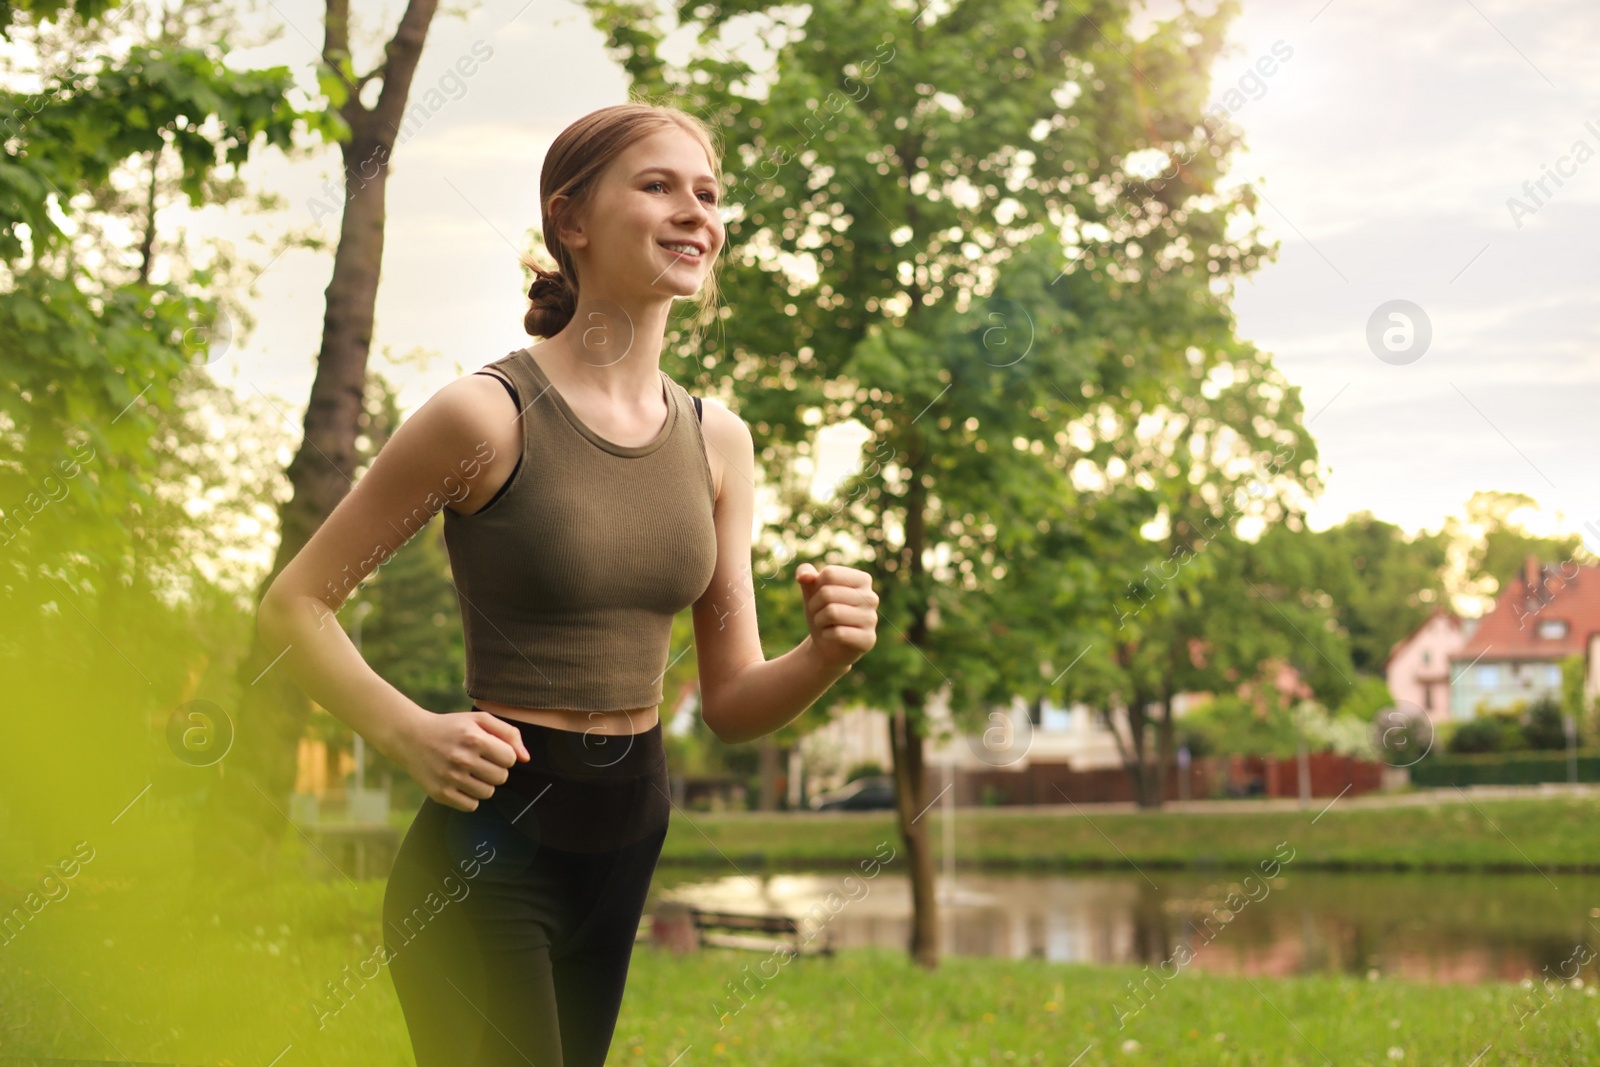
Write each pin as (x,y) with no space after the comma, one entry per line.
(229,997)
(140,962)
(137,959)
(1552,833)
(874,1007)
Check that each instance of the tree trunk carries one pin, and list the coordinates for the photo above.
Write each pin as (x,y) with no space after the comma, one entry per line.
(905,737)
(910,798)
(147,245)
(248,818)
(1144,775)
(1165,746)
(771,767)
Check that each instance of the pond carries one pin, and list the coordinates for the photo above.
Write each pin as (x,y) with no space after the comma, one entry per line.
(1424,926)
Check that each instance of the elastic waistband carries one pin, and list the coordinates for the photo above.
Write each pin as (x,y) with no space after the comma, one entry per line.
(588,753)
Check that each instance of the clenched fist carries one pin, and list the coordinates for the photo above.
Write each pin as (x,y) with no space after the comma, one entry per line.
(841,611)
(459,757)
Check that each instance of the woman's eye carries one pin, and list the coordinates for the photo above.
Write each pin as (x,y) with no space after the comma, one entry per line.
(711,198)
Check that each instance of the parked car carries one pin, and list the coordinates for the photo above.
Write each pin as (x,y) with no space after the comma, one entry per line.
(872,793)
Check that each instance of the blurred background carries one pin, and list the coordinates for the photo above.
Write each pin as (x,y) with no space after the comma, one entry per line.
(1206,388)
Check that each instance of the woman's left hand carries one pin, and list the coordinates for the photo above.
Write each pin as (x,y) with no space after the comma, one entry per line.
(841,611)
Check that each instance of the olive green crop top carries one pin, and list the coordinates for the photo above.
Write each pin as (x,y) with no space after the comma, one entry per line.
(568,579)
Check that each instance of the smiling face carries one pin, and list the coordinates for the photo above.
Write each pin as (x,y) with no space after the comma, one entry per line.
(654,224)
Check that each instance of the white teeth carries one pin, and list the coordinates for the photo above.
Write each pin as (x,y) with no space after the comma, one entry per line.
(687,249)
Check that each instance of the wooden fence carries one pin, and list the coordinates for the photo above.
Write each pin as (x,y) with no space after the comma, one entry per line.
(1222,776)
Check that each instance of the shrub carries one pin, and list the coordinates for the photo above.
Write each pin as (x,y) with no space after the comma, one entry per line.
(1228,723)
(1197,741)
(864,770)
(1502,768)
(1401,731)
(1542,726)
(1365,699)
(1489,732)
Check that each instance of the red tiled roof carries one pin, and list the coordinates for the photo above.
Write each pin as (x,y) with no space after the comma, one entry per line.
(1543,593)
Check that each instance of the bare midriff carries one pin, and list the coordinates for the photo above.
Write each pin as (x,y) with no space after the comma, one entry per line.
(629,721)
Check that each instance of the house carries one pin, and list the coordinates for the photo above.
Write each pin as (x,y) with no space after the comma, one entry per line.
(1012,739)
(1544,615)
(1281,676)
(1417,669)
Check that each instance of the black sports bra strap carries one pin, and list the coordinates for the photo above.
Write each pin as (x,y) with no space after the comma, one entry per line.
(518,466)
(697,414)
(509,387)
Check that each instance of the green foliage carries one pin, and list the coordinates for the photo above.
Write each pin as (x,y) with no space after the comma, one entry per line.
(1443,834)
(101,386)
(934,231)
(1489,546)
(1365,699)
(864,770)
(1538,725)
(1488,732)
(88,384)
(1195,738)
(1542,724)
(71,136)
(1231,724)
(85,10)
(1380,583)
(696,753)
(1574,668)
(1503,768)
(1259,605)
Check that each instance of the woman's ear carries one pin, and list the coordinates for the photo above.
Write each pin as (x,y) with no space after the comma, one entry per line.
(568,227)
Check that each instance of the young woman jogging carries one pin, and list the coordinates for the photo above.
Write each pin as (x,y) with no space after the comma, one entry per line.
(587,499)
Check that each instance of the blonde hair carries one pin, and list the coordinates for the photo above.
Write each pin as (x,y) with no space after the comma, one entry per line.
(572,166)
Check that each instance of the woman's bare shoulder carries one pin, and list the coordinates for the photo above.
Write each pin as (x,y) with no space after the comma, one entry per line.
(729,444)
(475,415)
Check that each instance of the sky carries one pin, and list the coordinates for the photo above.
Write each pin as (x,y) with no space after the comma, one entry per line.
(1390,145)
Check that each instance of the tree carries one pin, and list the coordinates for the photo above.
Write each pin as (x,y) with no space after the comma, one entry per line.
(1490,545)
(120,497)
(1542,725)
(1382,583)
(327,461)
(95,360)
(1219,448)
(946,228)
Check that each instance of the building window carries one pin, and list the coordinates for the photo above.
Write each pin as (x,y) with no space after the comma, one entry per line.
(1427,657)
(1489,675)
(1553,629)
(1553,676)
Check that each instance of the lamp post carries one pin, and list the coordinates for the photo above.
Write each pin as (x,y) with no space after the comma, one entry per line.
(366,806)
(1569,725)
(946,893)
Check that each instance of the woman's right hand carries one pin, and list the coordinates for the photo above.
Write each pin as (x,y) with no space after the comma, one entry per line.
(459,757)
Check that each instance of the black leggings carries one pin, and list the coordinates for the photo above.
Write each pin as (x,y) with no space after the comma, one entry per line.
(509,929)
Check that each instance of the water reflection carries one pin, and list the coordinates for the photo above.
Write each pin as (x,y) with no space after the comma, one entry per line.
(1426,927)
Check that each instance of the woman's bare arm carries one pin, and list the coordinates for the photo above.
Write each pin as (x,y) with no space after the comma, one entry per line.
(745,696)
(456,450)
